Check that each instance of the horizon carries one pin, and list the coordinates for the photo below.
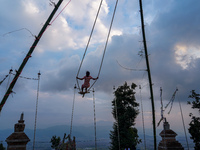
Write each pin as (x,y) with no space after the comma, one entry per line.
(55,130)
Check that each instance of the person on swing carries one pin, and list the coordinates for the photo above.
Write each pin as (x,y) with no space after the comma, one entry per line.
(86,83)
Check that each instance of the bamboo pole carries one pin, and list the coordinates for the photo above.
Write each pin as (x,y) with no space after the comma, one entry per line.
(149,75)
(9,91)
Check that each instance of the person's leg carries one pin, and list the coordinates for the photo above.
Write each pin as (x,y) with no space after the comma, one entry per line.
(83,94)
(82,88)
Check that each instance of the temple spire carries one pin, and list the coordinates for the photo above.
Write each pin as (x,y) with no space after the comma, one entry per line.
(168,141)
(18,139)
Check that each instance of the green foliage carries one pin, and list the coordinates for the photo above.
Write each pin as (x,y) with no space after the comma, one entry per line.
(127,112)
(194,128)
(1,147)
(55,141)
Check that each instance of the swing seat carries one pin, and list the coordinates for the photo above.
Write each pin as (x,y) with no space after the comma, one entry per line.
(83,92)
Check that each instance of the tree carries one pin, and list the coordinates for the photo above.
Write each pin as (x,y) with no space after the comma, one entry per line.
(125,105)
(194,128)
(1,147)
(55,141)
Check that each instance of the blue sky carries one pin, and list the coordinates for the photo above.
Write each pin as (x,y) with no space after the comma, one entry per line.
(172,32)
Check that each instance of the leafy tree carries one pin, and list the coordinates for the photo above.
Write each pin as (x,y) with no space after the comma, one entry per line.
(127,111)
(1,147)
(194,128)
(55,141)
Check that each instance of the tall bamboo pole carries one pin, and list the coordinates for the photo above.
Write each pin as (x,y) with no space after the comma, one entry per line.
(149,75)
(9,91)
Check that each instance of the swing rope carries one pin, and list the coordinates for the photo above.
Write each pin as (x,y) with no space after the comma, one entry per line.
(183,121)
(72,110)
(94,121)
(106,43)
(36,110)
(142,117)
(88,42)
(104,47)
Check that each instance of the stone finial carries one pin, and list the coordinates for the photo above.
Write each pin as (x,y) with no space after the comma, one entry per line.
(21,118)
(166,125)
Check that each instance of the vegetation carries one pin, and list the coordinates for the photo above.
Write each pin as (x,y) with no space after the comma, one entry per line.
(194,128)
(125,105)
(1,147)
(55,141)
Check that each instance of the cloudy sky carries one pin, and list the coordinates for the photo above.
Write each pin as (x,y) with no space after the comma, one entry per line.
(172,33)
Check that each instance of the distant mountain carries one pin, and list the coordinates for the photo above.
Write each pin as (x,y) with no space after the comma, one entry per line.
(85,136)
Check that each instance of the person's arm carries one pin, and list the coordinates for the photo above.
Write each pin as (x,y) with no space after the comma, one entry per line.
(79,78)
(95,78)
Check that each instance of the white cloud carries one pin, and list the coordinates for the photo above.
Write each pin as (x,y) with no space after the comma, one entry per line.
(30,7)
(185,55)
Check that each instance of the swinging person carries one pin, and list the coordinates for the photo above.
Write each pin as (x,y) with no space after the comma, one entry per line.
(86,83)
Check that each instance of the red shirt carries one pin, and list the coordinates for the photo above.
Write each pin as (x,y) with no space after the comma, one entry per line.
(87,80)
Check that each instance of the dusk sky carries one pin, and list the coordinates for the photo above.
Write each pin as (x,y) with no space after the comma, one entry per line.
(172,33)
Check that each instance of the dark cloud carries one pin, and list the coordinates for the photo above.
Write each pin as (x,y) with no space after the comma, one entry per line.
(179,25)
(62,77)
(122,49)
